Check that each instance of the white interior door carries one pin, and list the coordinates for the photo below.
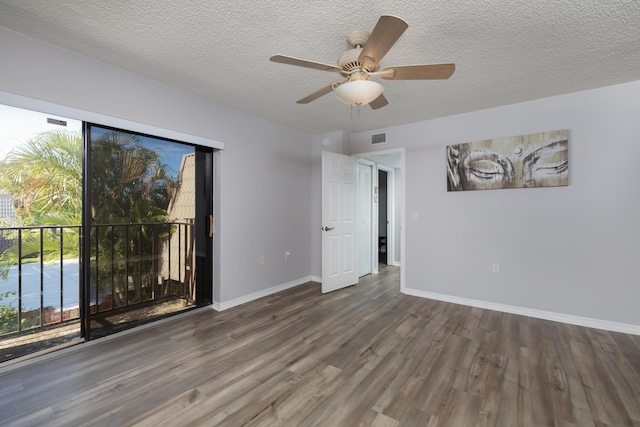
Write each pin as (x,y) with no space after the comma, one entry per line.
(339,225)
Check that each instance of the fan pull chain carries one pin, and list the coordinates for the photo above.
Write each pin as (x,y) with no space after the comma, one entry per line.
(352,111)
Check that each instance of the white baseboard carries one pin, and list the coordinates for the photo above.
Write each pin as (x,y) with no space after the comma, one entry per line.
(522,311)
(221,306)
(539,314)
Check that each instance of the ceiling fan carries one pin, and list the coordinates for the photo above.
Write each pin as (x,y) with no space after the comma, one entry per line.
(357,65)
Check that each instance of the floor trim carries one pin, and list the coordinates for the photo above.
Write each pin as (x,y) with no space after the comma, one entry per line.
(221,306)
(588,322)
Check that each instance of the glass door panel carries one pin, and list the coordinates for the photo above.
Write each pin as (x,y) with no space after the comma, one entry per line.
(141,222)
(99,237)
(40,222)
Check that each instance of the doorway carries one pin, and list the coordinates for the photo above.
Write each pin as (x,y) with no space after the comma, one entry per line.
(148,245)
(124,233)
(40,228)
(391,164)
(383,219)
(366,217)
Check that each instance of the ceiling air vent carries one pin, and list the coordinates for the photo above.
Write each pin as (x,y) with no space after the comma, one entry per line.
(379,138)
(56,122)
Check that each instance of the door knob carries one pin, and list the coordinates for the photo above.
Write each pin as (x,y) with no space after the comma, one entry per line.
(325,228)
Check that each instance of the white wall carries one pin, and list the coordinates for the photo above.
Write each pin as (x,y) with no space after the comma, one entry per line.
(571,250)
(264,169)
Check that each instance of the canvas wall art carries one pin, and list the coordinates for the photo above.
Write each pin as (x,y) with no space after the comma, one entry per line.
(535,160)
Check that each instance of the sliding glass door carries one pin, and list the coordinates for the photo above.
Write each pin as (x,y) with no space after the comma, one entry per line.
(40,231)
(148,243)
(101,229)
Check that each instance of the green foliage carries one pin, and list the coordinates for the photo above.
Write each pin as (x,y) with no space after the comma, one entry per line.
(44,176)
(129,185)
(8,314)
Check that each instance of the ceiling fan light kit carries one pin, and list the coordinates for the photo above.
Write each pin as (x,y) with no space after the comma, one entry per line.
(358,92)
(361,63)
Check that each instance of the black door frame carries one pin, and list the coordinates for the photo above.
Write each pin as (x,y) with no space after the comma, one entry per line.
(203,226)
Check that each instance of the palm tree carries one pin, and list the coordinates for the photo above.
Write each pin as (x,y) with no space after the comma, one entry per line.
(44,177)
(129,185)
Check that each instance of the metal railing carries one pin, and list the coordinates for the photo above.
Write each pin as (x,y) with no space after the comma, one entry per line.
(130,264)
(35,264)
(140,262)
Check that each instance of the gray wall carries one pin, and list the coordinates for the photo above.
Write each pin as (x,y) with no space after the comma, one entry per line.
(571,250)
(264,170)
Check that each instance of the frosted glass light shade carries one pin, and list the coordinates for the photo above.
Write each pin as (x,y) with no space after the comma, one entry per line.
(358,92)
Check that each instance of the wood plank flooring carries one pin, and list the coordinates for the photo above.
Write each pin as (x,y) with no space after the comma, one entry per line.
(363,356)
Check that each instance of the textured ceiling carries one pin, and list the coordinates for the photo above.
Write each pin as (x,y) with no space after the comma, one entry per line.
(505,51)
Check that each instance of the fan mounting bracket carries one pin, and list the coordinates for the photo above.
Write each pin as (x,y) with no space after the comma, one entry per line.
(358,38)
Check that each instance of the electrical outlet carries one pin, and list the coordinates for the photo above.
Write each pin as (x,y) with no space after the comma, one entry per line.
(496,268)
(261,259)
(287,255)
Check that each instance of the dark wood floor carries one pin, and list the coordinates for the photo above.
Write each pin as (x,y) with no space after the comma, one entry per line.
(363,356)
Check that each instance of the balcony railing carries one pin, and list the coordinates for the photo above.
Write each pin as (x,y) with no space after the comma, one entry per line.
(130,264)
(142,262)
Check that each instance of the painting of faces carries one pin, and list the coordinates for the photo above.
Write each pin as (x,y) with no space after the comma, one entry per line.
(536,160)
